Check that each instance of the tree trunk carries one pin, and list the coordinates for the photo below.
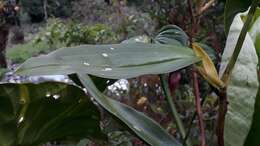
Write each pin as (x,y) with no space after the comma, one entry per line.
(4,32)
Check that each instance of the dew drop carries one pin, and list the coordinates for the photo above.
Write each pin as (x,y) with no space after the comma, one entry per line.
(21,120)
(48,94)
(137,40)
(108,69)
(104,54)
(56,96)
(86,63)
(85,90)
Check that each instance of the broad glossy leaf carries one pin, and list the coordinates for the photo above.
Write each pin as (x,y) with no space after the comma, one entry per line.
(114,61)
(232,8)
(242,88)
(253,136)
(8,114)
(172,34)
(36,114)
(143,126)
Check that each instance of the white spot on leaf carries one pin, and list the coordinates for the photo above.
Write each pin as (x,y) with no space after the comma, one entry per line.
(104,54)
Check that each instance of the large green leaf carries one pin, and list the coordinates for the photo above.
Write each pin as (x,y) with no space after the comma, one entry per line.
(243,85)
(31,114)
(143,126)
(111,61)
(172,34)
(253,136)
(232,8)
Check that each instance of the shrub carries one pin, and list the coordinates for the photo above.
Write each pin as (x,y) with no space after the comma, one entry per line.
(59,33)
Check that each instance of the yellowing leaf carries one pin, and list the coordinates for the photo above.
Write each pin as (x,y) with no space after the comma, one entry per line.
(208,70)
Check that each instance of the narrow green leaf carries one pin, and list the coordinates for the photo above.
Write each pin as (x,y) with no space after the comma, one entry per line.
(111,61)
(143,126)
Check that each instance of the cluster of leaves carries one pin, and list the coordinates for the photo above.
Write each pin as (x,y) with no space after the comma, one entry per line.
(126,20)
(24,120)
(158,10)
(115,61)
(60,33)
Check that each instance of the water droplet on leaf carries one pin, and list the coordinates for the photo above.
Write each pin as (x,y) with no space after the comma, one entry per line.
(87,64)
(108,69)
(56,96)
(104,54)
(48,94)
(21,120)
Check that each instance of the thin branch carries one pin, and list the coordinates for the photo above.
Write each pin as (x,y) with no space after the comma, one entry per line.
(174,111)
(193,20)
(198,108)
(240,42)
(205,7)
(223,103)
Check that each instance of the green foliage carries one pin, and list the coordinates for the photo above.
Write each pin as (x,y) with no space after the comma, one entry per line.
(143,126)
(252,138)
(22,52)
(117,61)
(33,114)
(60,33)
(243,85)
(172,34)
(232,8)
(130,59)
(158,10)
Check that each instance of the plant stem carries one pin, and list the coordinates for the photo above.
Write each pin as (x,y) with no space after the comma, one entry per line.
(198,108)
(240,42)
(174,111)
(223,103)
